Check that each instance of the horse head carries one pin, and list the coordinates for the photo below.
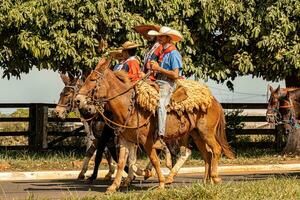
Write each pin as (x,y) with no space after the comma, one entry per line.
(272,114)
(287,112)
(281,109)
(66,100)
(94,82)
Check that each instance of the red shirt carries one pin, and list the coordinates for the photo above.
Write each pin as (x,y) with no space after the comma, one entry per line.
(132,66)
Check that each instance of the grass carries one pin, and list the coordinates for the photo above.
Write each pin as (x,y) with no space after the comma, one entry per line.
(271,188)
(72,160)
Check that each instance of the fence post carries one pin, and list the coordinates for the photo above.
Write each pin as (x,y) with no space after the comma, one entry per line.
(38,114)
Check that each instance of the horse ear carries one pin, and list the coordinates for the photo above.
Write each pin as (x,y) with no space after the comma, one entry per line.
(270,88)
(64,78)
(103,64)
(278,88)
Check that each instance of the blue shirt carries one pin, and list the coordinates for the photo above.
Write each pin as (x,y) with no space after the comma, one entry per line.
(172,60)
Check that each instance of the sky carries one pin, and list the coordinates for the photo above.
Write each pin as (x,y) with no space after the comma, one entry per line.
(44,87)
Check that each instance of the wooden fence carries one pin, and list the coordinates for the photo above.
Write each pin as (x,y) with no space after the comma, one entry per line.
(38,120)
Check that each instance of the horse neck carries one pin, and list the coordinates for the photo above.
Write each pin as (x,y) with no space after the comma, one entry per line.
(119,105)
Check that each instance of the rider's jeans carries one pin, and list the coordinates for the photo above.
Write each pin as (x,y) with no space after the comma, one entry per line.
(165,91)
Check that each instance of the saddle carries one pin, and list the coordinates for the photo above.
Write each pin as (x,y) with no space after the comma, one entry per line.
(189,96)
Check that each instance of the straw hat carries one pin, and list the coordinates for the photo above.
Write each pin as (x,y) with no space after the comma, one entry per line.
(115,54)
(129,45)
(175,35)
(144,29)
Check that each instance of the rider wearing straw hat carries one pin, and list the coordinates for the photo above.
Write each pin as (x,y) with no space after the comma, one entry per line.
(154,47)
(168,69)
(129,61)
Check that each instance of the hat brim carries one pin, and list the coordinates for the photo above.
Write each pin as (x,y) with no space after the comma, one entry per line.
(144,29)
(174,37)
(130,47)
(115,54)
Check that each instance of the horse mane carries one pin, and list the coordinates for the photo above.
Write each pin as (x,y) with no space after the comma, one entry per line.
(122,76)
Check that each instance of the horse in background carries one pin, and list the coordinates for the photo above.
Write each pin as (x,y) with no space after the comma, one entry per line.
(103,142)
(280,102)
(284,110)
(139,126)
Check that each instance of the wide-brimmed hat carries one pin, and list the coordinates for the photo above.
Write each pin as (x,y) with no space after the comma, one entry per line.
(115,54)
(129,45)
(144,29)
(173,34)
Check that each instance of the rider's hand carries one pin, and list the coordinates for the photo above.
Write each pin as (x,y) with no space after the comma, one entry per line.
(155,66)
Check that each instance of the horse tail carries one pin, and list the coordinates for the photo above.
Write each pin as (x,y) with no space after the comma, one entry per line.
(221,137)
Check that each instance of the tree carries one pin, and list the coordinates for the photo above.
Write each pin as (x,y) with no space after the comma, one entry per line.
(223,38)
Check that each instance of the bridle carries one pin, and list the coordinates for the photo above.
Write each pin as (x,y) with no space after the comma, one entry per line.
(100,103)
(288,105)
(70,105)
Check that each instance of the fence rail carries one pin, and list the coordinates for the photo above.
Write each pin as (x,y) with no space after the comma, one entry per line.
(38,121)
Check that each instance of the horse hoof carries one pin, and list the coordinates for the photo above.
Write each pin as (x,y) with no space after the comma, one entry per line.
(169,181)
(216,180)
(161,187)
(91,179)
(148,174)
(125,184)
(110,190)
(80,177)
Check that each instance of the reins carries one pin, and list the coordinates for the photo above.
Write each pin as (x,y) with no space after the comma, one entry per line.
(109,121)
(290,107)
(124,92)
(121,125)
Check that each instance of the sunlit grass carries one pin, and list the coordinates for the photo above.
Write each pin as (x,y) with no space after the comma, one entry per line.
(271,188)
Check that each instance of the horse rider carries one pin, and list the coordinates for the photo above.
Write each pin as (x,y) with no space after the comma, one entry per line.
(154,47)
(167,69)
(128,60)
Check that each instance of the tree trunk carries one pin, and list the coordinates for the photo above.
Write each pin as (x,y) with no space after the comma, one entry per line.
(293,143)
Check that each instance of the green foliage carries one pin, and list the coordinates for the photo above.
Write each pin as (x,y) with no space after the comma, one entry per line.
(222,38)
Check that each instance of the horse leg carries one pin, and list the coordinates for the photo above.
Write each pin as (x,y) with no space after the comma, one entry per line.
(151,152)
(206,154)
(168,157)
(131,164)
(147,173)
(91,148)
(185,153)
(110,165)
(121,164)
(98,160)
(210,140)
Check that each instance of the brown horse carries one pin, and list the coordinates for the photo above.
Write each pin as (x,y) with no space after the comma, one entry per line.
(284,107)
(139,126)
(283,102)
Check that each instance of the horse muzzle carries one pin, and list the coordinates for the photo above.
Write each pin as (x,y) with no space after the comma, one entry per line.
(60,113)
(81,101)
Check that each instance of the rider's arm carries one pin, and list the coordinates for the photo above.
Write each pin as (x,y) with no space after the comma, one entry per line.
(175,63)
